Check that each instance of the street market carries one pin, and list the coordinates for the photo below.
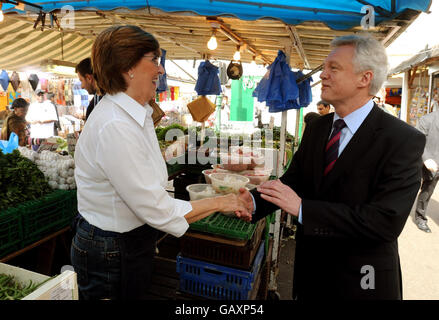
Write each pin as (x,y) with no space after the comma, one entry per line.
(213,135)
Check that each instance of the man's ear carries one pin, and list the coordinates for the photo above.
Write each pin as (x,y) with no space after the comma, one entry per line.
(89,77)
(365,79)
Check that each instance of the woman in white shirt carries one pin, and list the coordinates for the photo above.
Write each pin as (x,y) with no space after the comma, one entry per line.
(121,175)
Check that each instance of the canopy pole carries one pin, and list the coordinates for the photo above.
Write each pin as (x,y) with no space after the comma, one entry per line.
(430,93)
(405,97)
(202,132)
(280,169)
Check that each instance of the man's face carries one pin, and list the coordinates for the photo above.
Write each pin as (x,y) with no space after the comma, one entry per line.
(339,81)
(87,83)
(322,109)
(40,97)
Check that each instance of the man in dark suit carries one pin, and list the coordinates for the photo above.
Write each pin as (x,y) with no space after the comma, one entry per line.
(84,71)
(352,184)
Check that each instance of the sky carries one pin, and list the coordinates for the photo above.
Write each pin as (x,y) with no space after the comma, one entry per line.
(420,33)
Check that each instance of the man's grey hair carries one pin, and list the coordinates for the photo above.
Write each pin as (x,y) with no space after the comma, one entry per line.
(369,54)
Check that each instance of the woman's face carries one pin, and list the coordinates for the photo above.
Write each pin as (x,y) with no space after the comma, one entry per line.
(21,112)
(143,78)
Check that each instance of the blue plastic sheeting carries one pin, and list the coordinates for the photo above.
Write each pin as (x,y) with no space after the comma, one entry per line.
(336,14)
(7,146)
(208,81)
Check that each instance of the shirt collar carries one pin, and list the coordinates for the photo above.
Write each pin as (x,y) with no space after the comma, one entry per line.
(355,119)
(132,107)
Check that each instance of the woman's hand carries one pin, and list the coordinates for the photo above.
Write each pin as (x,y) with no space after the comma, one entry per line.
(232,203)
(281,195)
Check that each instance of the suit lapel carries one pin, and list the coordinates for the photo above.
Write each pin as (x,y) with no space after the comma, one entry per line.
(357,146)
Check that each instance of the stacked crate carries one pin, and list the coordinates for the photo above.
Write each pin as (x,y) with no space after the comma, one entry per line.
(33,220)
(221,258)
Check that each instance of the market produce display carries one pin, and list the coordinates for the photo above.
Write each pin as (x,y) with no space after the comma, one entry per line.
(58,169)
(11,289)
(20,180)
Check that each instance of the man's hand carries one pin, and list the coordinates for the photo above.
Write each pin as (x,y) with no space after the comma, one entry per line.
(247,201)
(281,195)
(431,165)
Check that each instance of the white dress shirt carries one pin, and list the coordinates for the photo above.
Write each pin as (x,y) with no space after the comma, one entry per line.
(120,172)
(41,112)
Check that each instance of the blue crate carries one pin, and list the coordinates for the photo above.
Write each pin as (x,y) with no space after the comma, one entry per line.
(215,281)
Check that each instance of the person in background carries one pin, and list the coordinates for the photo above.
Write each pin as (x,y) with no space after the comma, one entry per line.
(351,184)
(308,118)
(42,117)
(121,175)
(429,125)
(16,122)
(51,100)
(84,71)
(380,100)
(323,107)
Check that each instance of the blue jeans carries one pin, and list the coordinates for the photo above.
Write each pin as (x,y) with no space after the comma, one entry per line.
(112,265)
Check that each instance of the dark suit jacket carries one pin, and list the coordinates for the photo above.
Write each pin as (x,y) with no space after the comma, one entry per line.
(92,104)
(353,216)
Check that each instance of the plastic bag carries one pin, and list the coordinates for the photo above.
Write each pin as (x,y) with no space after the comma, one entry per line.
(208,82)
(9,146)
(278,87)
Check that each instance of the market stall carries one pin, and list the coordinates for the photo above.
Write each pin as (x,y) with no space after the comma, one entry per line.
(303,33)
(418,84)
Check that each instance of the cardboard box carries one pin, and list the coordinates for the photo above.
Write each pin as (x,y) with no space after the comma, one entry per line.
(201,108)
(157,113)
(62,287)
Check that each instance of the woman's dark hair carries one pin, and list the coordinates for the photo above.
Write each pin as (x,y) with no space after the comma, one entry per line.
(19,103)
(310,116)
(115,51)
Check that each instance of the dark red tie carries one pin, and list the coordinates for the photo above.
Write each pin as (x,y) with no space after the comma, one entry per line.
(331,151)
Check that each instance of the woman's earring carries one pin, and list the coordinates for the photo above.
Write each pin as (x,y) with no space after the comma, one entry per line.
(131,76)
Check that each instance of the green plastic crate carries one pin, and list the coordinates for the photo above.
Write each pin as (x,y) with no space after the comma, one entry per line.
(48,214)
(229,227)
(11,231)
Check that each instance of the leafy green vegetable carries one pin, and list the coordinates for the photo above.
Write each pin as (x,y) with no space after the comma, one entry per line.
(161,133)
(62,145)
(20,180)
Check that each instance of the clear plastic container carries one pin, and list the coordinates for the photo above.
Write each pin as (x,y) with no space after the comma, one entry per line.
(201,191)
(206,174)
(228,183)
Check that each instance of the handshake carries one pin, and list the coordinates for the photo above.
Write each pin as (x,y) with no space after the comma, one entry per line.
(273,191)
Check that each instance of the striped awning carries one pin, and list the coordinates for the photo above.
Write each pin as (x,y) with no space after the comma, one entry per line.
(23,47)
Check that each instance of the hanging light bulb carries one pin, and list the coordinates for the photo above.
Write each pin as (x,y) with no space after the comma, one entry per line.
(1,12)
(237,55)
(212,44)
